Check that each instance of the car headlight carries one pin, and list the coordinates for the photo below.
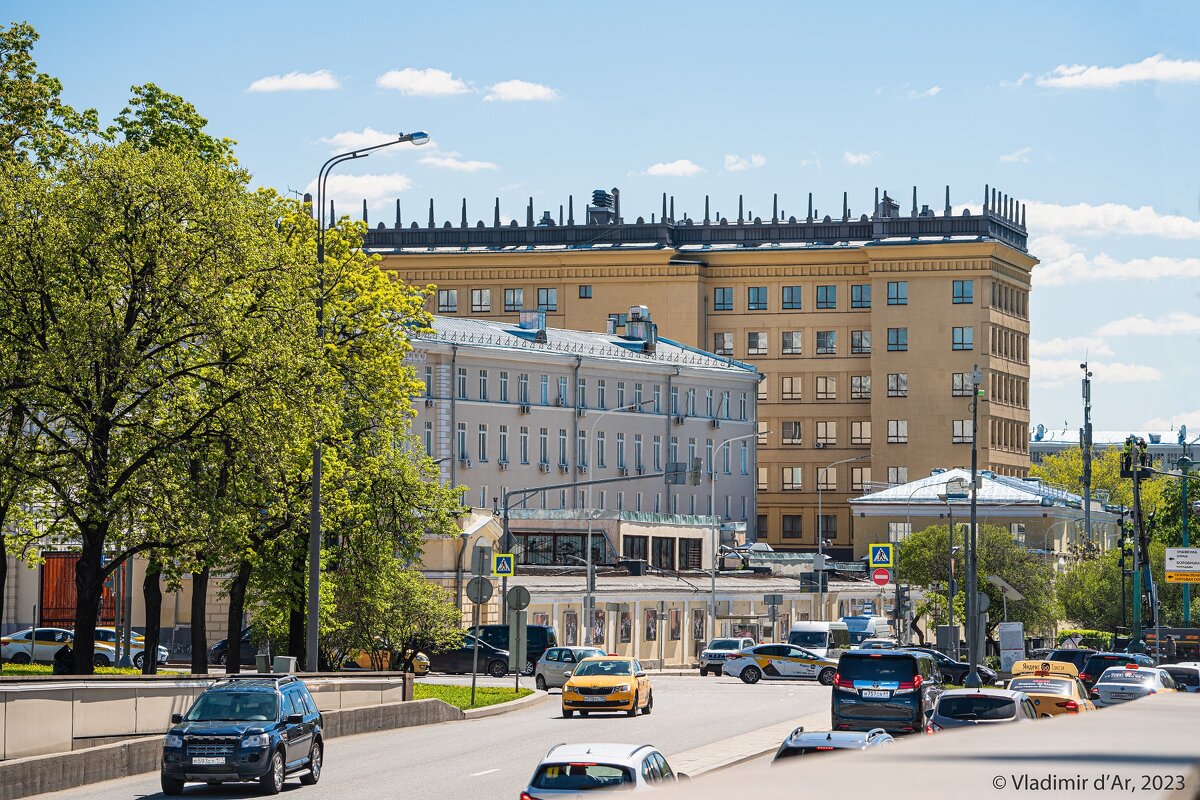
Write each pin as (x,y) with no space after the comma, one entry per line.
(173,740)
(621,687)
(259,740)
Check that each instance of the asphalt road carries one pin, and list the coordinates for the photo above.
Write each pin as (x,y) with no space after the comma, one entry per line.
(494,757)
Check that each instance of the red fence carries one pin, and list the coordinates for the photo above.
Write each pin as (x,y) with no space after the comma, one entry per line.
(58,593)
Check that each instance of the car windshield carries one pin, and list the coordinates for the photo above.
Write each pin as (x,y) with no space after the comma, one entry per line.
(876,668)
(1041,686)
(582,777)
(587,652)
(1126,676)
(808,638)
(724,644)
(603,668)
(234,707)
(976,707)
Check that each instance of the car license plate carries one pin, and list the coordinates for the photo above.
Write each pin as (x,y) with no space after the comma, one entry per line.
(1121,695)
(876,694)
(593,699)
(208,760)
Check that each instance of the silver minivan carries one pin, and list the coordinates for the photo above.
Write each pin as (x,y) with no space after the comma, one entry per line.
(556,665)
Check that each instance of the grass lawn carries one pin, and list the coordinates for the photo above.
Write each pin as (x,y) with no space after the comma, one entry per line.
(460,696)
(46,669)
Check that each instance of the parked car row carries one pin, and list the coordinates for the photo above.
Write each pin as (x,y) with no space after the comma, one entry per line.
(39,646)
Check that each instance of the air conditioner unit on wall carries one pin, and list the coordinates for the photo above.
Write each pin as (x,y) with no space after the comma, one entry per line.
(819,445)
(429,403)
(544,467)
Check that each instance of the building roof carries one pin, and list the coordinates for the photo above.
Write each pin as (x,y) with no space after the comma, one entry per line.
(1069,437)
(994,490)
(507,336)
(662,585)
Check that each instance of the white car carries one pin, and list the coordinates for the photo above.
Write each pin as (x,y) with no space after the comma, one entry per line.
(137,645)
(712,658)
(877,644)
(22,647)
(780,662)
(1130,682)
(569,770)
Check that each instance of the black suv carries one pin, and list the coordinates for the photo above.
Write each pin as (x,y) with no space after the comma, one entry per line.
(539,639)
(889,689)
(247,650)
(955,671)
(253,728)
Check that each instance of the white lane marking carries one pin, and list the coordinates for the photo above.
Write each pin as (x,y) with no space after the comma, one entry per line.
(485,772)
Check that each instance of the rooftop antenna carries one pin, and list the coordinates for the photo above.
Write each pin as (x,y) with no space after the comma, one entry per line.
(496,223)
(706,218)
(985,198)
(529,214)
(845,206)
(464,212)
(364,209)
(914,208)
(570,209)
(947,200)
(741,216)
(810,206)
(775,209)
(397,213)
(432,224)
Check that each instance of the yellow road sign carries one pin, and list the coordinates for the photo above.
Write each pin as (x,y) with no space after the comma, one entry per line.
(504,565)
(1183,577)
(882,556)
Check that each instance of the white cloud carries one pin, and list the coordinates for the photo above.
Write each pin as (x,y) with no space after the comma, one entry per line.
(1189,418)
(1079,346)
(1018,82)
(1157,68)
(348,191)
(1017,156)
(676,169)
(321,80)
(1052,374)
(422,82)
(932,91)
(858,159)
(520,90)
(738,163)
(353,140)
(1109,218)
(1064,263)
(1173,323)
(451,161)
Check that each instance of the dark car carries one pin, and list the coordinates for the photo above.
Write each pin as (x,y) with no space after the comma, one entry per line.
(1094,667)
(492,660)
(539,639)
(1071,655)
(889,689)
(240,730)
(956,671)
(219,652)
(961,708)
(800,743)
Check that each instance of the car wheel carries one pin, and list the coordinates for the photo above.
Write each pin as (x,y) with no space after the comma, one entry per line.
(223,660)
(751,675)
(170,786)
(100,660)
(649,704)
(139,659)
(633,708)
(540,683)
(529,668)
(20,658)
(497,669)
(314,765)
(703,672)
(826,677)
(567,713)
(272,782)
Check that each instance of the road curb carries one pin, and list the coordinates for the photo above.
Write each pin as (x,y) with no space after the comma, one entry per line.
(538,696)
(734,762)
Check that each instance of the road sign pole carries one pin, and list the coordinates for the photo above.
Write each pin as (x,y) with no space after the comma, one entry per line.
(474,651)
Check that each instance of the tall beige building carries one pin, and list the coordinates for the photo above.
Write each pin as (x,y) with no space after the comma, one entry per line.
(866,328)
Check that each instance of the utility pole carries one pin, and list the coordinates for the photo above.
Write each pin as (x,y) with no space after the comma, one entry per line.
(972,680)
(1085,444)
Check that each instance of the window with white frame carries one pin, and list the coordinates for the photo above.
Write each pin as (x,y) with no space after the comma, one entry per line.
(793,479)
(481,300)
(897,432)
(961,431)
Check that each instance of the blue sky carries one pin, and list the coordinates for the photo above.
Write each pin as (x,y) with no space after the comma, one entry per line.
(1087,111)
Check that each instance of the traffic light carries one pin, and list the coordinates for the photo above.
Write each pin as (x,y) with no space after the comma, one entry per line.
(694,472)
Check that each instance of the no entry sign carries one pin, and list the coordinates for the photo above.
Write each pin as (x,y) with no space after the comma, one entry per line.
(881,576)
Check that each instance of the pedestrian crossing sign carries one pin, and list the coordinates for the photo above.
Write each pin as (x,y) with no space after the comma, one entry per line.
(503,565)
(881,556)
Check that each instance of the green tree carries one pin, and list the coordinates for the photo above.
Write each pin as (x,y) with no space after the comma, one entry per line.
(1065,469)
(1089,592)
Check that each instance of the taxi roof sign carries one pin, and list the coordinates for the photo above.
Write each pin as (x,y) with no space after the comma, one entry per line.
(881,556)
(1039,667)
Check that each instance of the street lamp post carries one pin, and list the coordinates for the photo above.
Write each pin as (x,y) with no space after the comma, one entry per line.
(314,515)
(972,680)
(821,534)
(716,536)
(1186,463)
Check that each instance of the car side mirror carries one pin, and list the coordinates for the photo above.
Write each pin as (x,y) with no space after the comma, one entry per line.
(568,672)
(294,719)
(640,675)
(176,719)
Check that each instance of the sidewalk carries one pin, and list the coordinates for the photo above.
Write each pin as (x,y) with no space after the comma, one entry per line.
(738,749)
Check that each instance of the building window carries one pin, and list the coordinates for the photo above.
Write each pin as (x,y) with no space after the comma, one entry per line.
(638,461)
(447,301)
(762,432)
(898,531)
(461,435)
(656,453)
(793,343)
(723,343)
(791,432)
(562,390)
(860,295)
(483,441)
(964,292)
(545,390)
(657,394)
(826,343)
(826,297)
(962,431)
(514,299)
(600,458)
(562,447)
(792,527)
(860,432)
(581,393)
(897,339)
(827,479)
(689,555)
(547,299)
(756,343)
(791,298)
(483,384)
(859,478)
(744,458)
(428,381)
(675,401)
(503,386)
(860,387)
(428,438)
(897,431)
(898,384)
(708,403)
(860,342)
(827,434)
(543,446)
(601,394)
(828,526)
(481,300)
(585,291)
(723,298)
(762,479)
(960,385)
(826,387)
(897,293)
(791,388)
(673,450)
(523,445)
(756,298)
(462,383)
(523,388)
(964,339)
(637,396)
(621,450)
(897,475)
(793,479)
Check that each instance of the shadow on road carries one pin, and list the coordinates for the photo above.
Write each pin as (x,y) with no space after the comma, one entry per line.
(226,791)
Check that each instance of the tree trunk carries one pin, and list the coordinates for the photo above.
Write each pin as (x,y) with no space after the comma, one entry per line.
(89,588)
(3,577)
(152,595)
(237,606)
(199,628)
(296,638)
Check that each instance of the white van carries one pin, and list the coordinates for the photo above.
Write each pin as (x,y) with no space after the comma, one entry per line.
(868,627)
(825,639)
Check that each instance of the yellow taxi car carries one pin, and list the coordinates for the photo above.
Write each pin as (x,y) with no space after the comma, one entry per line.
(1053,686)
(607,683)
(371,660)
